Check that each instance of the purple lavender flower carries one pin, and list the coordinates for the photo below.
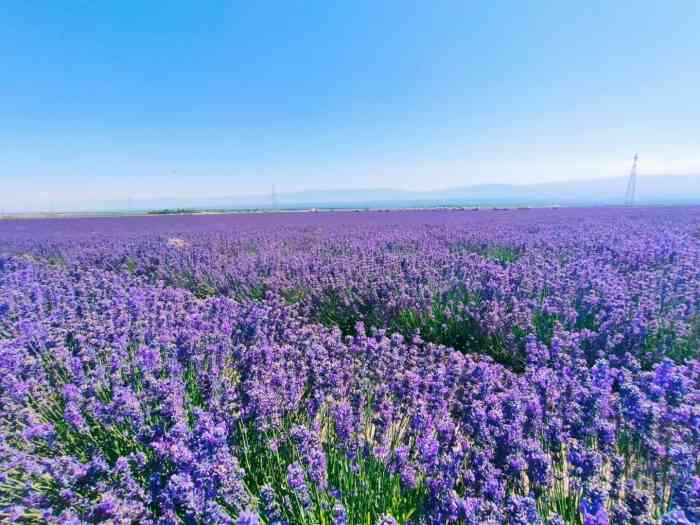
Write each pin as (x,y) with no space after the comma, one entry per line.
(296,481)
(522,511)
(593,507)
(145,362)
(675,517)
(248,518)
(340,516)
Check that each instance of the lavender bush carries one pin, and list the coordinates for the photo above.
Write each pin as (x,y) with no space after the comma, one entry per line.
(413,367)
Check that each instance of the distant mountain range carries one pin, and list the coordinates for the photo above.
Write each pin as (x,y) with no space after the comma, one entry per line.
(651,189)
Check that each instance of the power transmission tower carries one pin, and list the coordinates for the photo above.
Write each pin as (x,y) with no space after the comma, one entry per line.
(630,194)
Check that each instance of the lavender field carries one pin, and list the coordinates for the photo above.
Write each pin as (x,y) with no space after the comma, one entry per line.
(423,367)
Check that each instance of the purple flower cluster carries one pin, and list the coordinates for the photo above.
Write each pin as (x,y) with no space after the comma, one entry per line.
(623,280)
(147,381)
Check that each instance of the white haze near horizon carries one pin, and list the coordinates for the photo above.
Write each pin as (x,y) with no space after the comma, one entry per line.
(80,191)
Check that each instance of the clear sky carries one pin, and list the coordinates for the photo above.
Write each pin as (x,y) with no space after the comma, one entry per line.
(102,100)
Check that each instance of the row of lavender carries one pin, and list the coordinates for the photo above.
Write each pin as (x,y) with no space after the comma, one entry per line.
(130,403)
(125,397)
(623,280)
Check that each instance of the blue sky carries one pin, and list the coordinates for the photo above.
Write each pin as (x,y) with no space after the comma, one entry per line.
(102,100)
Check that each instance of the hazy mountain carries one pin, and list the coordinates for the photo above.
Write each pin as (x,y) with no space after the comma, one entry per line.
(659,189)
(651,189)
